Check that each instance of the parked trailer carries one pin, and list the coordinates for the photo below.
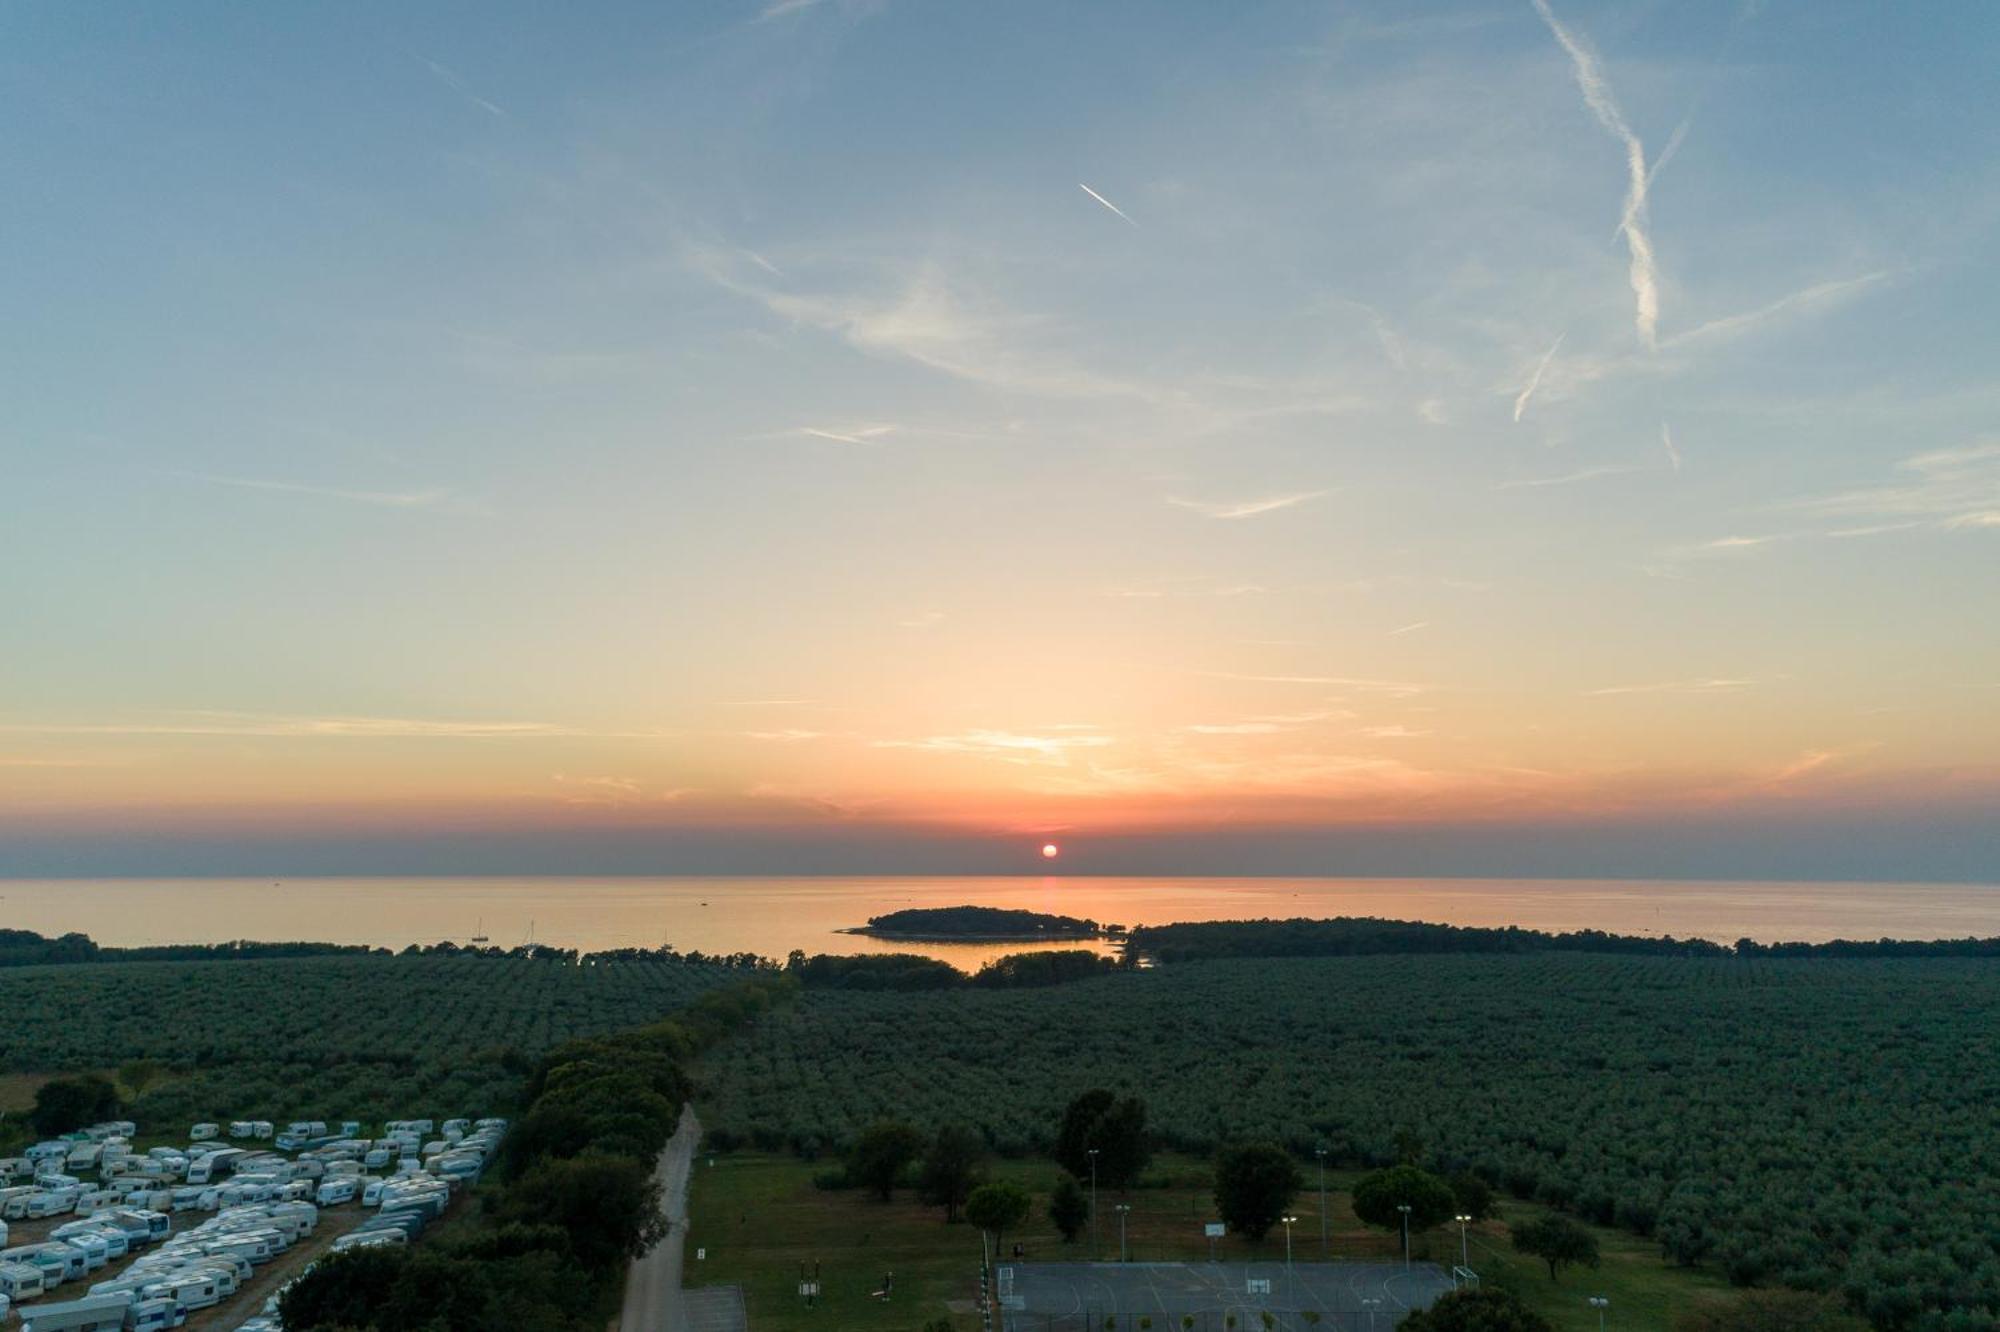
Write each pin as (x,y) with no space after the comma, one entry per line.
(93,1313)
(21,1281)
(203,1132)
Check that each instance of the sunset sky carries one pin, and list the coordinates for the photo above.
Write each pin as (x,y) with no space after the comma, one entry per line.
(888,436)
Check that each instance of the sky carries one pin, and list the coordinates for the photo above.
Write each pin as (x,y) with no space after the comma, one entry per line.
(1516,437)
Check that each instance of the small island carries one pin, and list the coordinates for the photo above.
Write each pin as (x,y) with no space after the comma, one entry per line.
(967,924)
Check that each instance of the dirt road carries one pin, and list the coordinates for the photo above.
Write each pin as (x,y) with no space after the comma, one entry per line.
(653,1287)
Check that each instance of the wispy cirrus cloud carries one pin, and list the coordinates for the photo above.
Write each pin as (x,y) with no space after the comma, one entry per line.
(1955,489)
(388,499)
(453,80)
(1535,380)
(1818,296)
(1715,685)
(863,434)
(1639,242)
(1232,509)
(1360,683)
(1106,202)
(196,723)
(1007,746)
(1565,479)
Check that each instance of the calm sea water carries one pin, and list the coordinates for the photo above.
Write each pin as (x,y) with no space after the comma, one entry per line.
(774,916)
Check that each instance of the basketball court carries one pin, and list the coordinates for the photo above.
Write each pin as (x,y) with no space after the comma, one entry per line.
(1211,1297)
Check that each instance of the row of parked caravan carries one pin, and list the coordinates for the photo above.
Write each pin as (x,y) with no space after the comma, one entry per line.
(263,1202)
(74,1250)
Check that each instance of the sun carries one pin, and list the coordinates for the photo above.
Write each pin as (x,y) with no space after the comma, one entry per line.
(1050,851)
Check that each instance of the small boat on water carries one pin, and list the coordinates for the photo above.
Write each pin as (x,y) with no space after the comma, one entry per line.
(480,937)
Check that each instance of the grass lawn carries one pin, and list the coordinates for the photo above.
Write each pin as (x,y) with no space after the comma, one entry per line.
(758,1217)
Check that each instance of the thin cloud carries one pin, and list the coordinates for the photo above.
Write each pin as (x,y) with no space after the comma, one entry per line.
(1819,295)
(1954,489)
(1409,628)
(1707,686)
(1667,442)
(869,434)
(305,727)
(1392,732)
(1566,479)
(784,8)
(390,499)
(451,79)
(1106,202)
(1638,242)
(1396,687)
(1007,746)
(1535,380)
(1245,508)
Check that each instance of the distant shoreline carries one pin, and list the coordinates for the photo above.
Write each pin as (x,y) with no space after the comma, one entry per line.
(940,936)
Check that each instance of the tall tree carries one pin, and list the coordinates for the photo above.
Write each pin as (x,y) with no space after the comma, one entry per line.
(951,1168)
(997,1207)
(1069,1210)
(1115,1128)
(1481,1309)
(1379,1198)
(1254,1183)
(1557,1241)
(881,1154)
(63,1105)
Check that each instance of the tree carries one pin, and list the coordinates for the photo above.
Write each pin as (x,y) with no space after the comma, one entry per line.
(140,1074)
(951,1168)
(1472,1195)
(608,1205)
(1116,1129)
(63,1105)
(995,1207)
(1477,1309)
(1557,1241)
(1775,1311)
(1379,1198)
(880,1155)
(1069,1209)
(1254,1183)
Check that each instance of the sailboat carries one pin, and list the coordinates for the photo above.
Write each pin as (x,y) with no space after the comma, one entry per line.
(480,937)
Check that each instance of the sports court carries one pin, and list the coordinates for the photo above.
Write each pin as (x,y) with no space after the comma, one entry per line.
(1211,1297)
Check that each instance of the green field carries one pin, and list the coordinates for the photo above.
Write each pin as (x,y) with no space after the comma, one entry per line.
(758,1217)
(356,1037)
(1823,1123)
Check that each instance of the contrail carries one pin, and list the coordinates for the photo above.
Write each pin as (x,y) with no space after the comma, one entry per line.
(1106,202)
(1597,96)
(1521,403)
(1667,438)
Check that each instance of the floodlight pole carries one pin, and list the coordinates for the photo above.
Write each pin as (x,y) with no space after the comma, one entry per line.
(1370,1305)
(1092,1154)
(1320,1152)
(1600,1303)
(1122,1209)
(1404,1208)
(1464,1245)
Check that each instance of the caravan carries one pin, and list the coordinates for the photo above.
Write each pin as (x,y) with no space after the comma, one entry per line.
(93,1313)
(20,1281)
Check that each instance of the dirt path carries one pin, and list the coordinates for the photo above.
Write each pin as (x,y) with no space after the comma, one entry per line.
(653,1288)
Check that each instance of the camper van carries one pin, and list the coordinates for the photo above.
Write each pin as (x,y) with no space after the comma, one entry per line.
(335,1191)
(242,1129)
(203,1132)
(20,1281)
(46,1202)
(92,1313)
(148,1315)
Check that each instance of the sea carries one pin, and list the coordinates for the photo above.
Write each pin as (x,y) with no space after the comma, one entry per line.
(773,916)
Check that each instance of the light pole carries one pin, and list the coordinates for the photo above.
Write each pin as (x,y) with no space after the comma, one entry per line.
(1600,1303)
(1092,1154)
(1464,1247)
(1404,1208)
(1290,1288)
(1371,1306)
(1320,1152)
(1122,1208)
